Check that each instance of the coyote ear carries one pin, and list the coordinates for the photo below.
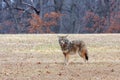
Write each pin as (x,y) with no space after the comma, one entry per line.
(58,36)
(62,36)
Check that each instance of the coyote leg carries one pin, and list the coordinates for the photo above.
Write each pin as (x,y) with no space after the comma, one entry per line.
(66,62)
(83,54)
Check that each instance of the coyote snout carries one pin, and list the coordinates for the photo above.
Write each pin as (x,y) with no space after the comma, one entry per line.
(72,47)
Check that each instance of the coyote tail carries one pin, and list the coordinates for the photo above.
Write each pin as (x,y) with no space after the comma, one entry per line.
(86,56)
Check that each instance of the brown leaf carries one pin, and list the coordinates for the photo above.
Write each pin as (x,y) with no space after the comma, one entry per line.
(47,72)
(38,62)
(60,74)
(112,70)
(55,62)
(46,66)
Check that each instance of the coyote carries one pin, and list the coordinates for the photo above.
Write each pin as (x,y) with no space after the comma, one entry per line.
(72,47)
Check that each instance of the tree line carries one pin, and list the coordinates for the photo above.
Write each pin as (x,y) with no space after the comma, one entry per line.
(59,16)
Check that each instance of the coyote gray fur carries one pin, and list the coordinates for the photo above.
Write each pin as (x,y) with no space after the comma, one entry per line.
(72,47)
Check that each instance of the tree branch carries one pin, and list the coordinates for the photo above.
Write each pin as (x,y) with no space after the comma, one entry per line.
(6,3)
(32,7)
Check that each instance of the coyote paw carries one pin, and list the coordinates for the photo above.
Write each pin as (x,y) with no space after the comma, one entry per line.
(66,63)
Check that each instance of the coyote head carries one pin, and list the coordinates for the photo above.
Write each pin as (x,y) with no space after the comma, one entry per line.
(63,41)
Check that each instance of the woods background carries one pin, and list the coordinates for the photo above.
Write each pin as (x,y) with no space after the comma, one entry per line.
(59,16)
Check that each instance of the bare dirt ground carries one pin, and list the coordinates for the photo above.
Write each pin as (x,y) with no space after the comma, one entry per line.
(38,57)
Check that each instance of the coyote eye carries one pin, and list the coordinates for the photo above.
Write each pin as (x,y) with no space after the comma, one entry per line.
(66,41)
(62,42)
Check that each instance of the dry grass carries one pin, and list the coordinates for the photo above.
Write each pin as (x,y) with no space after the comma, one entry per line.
(32,56)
